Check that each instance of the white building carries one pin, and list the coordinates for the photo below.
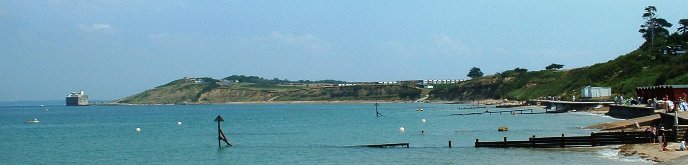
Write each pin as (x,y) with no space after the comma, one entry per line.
(590,92)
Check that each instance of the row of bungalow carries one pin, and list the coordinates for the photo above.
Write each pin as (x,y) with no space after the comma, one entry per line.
(407,82)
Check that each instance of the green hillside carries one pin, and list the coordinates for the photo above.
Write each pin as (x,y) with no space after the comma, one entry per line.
(655,62)
(209,91)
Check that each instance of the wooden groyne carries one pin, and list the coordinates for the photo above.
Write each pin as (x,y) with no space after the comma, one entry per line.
(518,111)
(466,108)
(595,139)
(389,145)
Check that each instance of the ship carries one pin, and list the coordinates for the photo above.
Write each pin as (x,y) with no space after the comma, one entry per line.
(77,99)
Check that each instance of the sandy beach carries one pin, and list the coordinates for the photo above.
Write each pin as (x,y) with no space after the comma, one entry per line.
(648,151)
(652,151)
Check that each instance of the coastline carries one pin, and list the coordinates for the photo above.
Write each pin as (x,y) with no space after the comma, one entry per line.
(653,152)
(648,151)
(272,102)
(293,102)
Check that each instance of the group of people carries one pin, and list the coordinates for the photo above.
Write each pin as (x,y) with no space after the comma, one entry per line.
(630,101)
(671,106)
(665,103)
(658,135)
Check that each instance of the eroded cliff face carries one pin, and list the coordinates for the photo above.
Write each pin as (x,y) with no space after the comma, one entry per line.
(483,88)
(224,95)
(189,92)
(362,92)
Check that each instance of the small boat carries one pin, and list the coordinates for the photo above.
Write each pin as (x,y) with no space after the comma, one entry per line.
(503,128)
(34,121)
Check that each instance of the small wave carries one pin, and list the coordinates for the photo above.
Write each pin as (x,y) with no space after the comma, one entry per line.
(613,154)
(595,114)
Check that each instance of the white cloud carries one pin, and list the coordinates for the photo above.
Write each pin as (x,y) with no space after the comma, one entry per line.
(306,41)
(95,27)
(449,45)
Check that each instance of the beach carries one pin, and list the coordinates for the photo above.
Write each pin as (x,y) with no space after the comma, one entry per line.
(648,151)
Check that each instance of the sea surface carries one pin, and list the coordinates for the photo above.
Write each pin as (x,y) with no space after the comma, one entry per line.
(287,134)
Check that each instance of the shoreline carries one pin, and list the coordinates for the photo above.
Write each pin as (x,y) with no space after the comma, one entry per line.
(647,151)
(653,152)
(285,102)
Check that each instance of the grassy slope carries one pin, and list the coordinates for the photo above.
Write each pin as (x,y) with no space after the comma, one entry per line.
(183,91)
(623,74)
(178,91)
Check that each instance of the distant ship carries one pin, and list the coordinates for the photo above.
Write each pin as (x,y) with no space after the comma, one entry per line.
(77,99)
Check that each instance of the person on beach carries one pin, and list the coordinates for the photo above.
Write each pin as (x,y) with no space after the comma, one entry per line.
(662,139)
(652,131)
(682,105)
(668,105)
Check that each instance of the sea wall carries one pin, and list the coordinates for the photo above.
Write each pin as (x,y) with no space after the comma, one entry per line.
(628,112)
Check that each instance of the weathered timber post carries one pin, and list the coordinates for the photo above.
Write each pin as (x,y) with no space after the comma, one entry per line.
(376,112)
(592,139)
(532,142)
(220,135)
(562,141)
(450,144)
(505,143)
(623,137)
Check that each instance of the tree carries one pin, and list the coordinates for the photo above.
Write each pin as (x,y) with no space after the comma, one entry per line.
(684,26)
(520,70)
(653,27)
(554,67)
(475,73)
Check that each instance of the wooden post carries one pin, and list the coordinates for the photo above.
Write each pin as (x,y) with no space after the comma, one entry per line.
(532,142)
(505,143)
(623,136)
(476,143)
(376,112)
(562,141)
(220,135)
(450,144)
(592,139)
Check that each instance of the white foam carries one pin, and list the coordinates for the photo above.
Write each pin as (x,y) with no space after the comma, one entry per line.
(613,154)
(594,114)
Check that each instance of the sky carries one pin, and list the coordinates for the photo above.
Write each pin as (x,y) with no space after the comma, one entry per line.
(114,49)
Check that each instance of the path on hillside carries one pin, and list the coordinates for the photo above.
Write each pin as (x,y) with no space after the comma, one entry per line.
(273,98)
(422,99)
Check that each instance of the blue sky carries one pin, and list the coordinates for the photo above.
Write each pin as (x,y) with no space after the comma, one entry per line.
(113,49)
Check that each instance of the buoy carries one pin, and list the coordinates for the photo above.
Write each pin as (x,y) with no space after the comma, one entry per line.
(179,123)
(34,121)
(402,129)
(423,120)
(138,129)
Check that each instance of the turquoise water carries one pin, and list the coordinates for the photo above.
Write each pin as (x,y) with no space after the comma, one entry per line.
(284,134)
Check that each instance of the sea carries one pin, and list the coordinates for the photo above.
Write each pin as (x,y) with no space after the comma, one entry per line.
(288,134)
